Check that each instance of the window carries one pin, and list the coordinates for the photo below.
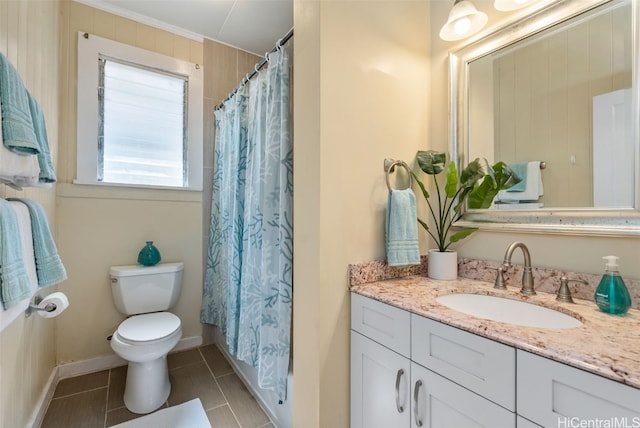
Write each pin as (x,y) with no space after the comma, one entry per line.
(139,117)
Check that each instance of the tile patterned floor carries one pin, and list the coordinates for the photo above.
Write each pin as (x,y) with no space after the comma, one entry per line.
(95,400)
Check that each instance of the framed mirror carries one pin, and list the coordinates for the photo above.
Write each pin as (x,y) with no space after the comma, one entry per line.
(554,95)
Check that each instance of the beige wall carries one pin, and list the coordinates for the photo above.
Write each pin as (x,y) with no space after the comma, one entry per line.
(361,95)
(581,254)
(27,347)
(101,227)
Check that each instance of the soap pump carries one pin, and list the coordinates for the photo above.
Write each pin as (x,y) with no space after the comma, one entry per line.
(612,295)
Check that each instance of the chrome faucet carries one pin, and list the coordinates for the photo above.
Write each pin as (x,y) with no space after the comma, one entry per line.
(527,277)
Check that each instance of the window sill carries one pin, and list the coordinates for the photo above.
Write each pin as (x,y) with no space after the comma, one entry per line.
(108,191)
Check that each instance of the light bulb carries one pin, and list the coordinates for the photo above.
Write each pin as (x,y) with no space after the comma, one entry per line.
(462,25)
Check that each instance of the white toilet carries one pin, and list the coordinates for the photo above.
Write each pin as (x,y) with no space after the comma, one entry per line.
(146,337)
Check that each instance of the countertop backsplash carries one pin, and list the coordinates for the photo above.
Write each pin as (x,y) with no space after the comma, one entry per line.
(545,280)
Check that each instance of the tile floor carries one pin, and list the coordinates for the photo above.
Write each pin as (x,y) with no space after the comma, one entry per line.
(95,400)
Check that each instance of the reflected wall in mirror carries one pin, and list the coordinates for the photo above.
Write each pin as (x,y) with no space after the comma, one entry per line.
(562,96)
(555,87)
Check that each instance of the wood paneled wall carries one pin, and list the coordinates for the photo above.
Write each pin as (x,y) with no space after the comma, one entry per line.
(543,95)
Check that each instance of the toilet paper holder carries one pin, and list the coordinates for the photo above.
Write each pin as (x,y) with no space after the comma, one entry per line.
(33,307)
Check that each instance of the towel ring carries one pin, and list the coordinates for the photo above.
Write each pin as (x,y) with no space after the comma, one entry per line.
(389,164)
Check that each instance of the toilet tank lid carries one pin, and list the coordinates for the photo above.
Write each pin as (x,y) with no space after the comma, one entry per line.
(132,270)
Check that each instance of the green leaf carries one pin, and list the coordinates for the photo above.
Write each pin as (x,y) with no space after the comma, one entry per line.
(451,187)
(499,177)
(482,196)
(505,177)
(423,224)
(431,162)
(461,234)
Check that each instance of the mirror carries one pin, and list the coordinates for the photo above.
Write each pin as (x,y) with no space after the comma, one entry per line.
(551,94)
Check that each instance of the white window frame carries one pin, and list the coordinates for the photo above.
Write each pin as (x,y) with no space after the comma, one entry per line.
(89,50)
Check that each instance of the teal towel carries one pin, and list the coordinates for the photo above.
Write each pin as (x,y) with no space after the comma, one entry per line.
(47,172)
(520,168)
(14,281)
(17,126)
(49,267)
(402,229)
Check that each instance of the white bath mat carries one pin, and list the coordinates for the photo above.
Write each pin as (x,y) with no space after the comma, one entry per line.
(186,415)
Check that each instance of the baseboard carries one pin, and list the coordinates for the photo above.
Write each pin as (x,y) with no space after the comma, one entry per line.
(105,362)
(188,343)
(37,416)
(92,365)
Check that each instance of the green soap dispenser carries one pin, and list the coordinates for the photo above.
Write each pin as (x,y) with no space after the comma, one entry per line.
(612,295)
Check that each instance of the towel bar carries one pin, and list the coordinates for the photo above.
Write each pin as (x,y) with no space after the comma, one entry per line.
(390,164)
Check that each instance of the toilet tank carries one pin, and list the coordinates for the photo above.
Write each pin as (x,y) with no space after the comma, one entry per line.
(140,289)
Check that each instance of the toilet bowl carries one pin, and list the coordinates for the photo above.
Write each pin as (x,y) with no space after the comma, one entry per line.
(144,341)
(145,338)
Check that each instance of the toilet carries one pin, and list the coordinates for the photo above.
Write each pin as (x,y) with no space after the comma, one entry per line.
(144,294)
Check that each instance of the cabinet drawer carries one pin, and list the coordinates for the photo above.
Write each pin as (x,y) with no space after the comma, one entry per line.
(440,403)
(554,394)
(387,325)
(479,364)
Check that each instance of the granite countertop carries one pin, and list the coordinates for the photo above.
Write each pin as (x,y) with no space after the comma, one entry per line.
(606,345)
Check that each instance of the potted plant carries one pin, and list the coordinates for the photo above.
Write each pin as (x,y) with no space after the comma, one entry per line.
(478,184)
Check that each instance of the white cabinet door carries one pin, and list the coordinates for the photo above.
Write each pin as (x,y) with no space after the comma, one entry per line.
(439,403)
(379,385)
(556,395)
(525,423)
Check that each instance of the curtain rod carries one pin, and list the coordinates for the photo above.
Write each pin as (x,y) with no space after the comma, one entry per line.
(257,67)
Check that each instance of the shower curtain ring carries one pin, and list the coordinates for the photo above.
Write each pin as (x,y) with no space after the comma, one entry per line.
(257,70)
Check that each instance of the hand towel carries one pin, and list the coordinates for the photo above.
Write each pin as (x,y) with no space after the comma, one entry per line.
(14,281)
(7,316)
(49,267)
(520,169)
(402,229)
(15,169)
(47,173)
(533,186)
(17,126)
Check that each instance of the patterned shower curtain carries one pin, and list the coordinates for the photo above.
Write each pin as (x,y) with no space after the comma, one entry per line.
(248,278)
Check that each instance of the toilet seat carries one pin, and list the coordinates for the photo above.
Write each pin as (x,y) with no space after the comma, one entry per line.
(148,328)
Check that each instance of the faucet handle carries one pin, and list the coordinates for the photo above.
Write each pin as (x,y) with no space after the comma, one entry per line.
(564,293)
(499,284)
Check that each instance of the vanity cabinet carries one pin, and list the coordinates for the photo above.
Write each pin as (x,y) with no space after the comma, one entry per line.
(554,394)
(411,371)
(392,385)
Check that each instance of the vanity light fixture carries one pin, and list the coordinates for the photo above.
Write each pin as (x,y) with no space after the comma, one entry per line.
(508,5)
(464,20)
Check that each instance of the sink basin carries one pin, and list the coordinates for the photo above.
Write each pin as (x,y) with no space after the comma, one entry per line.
(508,311)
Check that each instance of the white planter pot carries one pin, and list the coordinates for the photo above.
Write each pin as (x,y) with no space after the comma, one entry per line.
(442,265)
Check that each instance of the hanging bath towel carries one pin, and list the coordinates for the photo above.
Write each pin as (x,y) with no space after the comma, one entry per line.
(402,229)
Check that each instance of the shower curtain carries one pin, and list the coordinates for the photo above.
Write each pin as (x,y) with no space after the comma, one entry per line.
(248,277)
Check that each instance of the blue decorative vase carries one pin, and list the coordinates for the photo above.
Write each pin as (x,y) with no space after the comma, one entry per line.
(149,255)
